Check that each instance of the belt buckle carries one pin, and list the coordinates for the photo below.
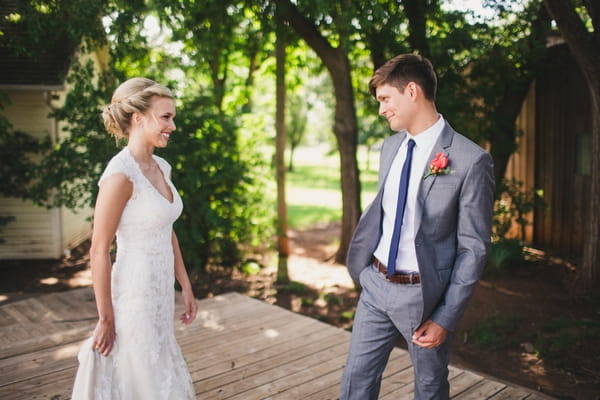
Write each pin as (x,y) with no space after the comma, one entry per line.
(412,278)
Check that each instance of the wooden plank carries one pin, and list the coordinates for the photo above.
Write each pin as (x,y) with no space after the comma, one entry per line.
(55,385)
(239,348)
(221,343)
(52,336)
(463,381)
(6,318)
(511,393)
(482,390)
(316,385)
(27,366)
(260,356)
(14,313)
(260,362)
(258,378)
(294,374)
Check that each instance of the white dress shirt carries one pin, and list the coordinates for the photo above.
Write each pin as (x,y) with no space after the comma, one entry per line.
(406,261)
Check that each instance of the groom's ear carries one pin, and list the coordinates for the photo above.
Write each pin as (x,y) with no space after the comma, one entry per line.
(412,90)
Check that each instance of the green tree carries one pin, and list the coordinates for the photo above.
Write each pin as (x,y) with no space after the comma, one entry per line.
(283,245)
(223,187)
(218,35)
(297,112)
(501,74)
(329,38)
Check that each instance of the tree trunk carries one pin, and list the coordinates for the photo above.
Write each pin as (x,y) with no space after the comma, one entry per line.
(291,160)
(345,125)
(283,246)
(503,142)
(417,35)
(585,46)
(589,272)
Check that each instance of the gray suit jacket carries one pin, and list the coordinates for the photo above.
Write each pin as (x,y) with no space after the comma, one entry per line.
(453,221)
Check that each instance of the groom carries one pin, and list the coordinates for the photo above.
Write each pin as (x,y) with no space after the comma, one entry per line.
(420,247)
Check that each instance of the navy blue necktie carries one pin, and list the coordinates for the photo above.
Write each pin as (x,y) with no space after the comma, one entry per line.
(402,192)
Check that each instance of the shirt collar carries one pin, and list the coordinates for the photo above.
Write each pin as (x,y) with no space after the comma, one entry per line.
(429,136)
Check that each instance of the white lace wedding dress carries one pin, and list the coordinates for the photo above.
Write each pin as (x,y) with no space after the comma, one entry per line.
(146,362)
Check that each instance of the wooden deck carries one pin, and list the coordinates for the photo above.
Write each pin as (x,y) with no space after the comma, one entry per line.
(238,348)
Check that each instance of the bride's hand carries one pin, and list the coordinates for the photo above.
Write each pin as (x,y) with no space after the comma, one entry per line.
(190,308)
(104,337)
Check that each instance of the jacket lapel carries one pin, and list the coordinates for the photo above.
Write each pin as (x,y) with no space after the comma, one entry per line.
(388,156)
(440,146)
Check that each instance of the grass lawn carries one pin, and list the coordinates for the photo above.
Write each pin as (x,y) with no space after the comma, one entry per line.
(313,188)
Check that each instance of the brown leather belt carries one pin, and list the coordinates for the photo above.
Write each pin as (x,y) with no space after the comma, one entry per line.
(411,278)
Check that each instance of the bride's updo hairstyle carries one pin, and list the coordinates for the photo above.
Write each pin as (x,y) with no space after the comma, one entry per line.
(133,95)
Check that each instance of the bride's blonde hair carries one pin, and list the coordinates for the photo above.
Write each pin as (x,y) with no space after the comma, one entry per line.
(133,95)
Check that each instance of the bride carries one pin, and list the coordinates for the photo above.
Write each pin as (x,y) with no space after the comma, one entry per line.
(133,353)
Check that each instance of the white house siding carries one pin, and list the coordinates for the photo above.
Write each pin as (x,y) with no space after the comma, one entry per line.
(37,232)
(28,112)
(77,227)
(33,234)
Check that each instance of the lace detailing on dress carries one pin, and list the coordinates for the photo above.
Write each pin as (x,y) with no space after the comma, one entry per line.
(146,362)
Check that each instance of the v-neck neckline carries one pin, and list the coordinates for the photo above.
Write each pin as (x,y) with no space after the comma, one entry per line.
(150,182)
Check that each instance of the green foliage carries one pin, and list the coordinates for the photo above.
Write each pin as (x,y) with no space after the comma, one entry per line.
(492,330)
(250,268)
(17,170)
(68,173)
(37,28)
(223,188)
(220,173)
(297,288)
(503,253)
(297,118)
(333,300)
(304,216)
(306,302)
(17,151)
(499,67)
(513,205)
(347,315)
(562,337)
(219,37)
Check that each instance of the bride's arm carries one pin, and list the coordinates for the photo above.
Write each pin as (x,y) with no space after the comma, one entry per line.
(114,192)
(186,287)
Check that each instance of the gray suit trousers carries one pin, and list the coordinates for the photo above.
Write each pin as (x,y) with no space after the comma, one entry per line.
(385,312)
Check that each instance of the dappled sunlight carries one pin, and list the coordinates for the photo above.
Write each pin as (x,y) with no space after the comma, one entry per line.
(317,274)
(210,320)
(49,281)
(271,333)
(68,351)
(81,278)
(314,197)
(535,367)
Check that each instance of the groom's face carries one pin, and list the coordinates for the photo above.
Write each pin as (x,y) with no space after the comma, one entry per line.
(396,106)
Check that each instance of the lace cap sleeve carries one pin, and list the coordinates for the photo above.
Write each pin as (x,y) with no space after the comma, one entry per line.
(117,165)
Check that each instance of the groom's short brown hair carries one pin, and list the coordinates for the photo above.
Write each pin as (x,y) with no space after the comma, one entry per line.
(405,68)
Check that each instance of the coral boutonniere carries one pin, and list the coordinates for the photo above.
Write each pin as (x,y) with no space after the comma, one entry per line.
(438,166)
